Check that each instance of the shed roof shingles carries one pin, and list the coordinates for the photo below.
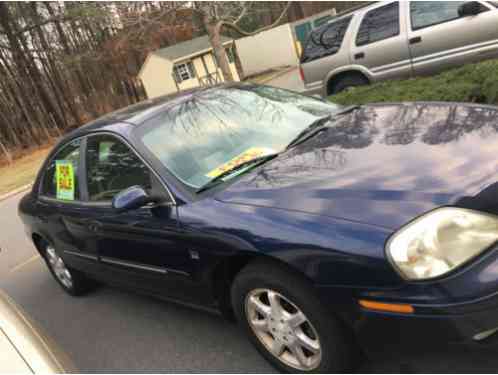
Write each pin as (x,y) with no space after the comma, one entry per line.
(187,48)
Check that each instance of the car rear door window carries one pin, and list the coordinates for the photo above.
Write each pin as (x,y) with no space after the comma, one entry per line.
(112,167)
(66,161)
(379,24)
(430,13)
(326,40)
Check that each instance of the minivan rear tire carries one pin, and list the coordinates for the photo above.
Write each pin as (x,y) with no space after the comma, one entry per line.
(345,82)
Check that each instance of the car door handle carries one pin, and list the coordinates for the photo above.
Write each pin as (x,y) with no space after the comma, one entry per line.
(360,55)
(415,40)
(94,226)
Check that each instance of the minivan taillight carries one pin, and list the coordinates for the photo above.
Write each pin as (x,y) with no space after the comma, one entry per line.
(301,73)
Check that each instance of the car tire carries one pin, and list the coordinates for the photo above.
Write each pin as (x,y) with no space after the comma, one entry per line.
(346,82)
(74,282)
(325,335)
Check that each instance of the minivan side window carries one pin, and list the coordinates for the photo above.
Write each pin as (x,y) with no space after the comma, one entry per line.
(112,167)
(379,24)
(325,40)
(430,13)
(66,161)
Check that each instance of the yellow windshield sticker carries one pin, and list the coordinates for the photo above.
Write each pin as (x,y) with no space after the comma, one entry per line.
(65,179)
(249,154)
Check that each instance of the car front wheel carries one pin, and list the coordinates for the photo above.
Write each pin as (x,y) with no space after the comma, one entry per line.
(286,322)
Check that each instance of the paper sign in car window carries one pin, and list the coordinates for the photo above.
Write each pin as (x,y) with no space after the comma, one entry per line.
(249,154)
(65,179)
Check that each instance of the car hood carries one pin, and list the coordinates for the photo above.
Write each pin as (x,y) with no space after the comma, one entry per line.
(384,165)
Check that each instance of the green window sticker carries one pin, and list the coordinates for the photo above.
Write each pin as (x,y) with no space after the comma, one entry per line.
(64,172)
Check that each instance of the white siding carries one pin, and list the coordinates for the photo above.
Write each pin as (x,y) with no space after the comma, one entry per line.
(266,50)
(156,76)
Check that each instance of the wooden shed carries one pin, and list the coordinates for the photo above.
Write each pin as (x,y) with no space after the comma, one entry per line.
(183,66)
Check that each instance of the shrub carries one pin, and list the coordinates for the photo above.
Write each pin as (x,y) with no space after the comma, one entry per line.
(476,83)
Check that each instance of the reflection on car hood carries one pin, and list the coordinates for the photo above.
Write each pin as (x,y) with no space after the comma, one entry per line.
(384,165)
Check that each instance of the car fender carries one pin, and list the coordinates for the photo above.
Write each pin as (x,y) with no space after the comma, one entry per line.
(325,249)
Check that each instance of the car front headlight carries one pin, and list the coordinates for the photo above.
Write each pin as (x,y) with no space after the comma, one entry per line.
(440,241)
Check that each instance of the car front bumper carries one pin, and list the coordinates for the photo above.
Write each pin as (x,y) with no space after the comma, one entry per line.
(462,307)
(376,330)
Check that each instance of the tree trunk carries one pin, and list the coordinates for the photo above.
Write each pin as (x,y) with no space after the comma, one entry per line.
(57,79)
(213,30)
(7,154)
(19,46)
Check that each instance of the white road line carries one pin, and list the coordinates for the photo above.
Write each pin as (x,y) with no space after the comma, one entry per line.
(25,263)
(15,192)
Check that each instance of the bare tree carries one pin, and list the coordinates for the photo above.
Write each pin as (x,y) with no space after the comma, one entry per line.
(219,15)
(65,63)
(214,17)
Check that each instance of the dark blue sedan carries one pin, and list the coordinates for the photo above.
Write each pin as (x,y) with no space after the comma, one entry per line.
(321,228)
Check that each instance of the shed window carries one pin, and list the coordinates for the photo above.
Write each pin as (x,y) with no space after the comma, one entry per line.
(230,54)
(184,71)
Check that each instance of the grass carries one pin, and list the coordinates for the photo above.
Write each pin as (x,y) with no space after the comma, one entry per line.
(476,83)
(22,171)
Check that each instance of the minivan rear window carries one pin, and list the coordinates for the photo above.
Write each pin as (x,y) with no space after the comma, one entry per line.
(325,40)
(379,24)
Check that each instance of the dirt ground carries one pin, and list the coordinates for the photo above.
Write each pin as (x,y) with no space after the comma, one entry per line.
(23,170)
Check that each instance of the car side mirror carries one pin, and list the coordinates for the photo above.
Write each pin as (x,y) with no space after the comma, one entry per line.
(470,8)
(132,198)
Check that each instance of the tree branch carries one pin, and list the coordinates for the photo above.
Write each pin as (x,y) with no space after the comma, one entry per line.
(241,15)
(234,26)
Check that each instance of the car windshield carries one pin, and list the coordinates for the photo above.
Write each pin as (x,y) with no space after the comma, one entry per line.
(215,130)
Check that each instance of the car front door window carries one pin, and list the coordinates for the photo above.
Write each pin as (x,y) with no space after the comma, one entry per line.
(112,167)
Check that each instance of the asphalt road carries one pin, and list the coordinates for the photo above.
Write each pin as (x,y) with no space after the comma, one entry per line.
(112,330)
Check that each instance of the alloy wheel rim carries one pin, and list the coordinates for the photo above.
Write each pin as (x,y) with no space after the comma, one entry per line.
(283,329)
(60,270)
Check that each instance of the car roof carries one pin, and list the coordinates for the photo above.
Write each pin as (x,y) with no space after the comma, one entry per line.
(136,114)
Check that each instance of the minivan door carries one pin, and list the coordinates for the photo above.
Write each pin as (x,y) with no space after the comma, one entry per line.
(440,39)
(379,43)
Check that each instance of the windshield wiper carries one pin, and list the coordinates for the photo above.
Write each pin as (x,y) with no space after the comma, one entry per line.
(314,128)
(253,162)
(318,126)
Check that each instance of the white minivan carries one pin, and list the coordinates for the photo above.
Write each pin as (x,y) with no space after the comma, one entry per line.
(397,39)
